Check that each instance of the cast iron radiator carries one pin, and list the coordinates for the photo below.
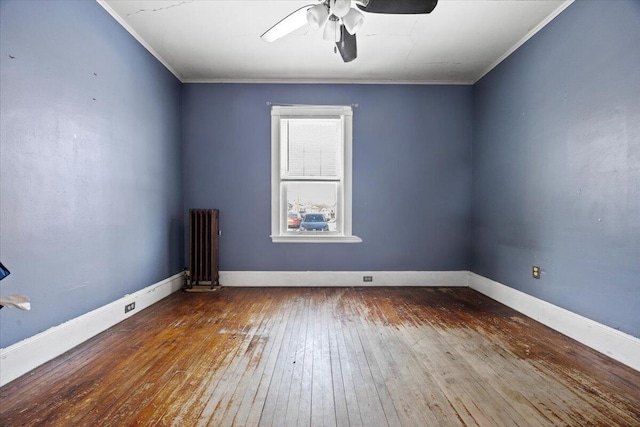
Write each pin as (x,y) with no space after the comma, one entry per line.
(203,247)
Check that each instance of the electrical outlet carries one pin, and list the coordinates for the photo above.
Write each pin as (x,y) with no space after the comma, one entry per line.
(129,307)
(367,278)
(536,271)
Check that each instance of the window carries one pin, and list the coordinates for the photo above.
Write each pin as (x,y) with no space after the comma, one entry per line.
(311,174)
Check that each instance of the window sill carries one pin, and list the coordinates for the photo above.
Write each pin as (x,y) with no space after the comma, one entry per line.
(315,239)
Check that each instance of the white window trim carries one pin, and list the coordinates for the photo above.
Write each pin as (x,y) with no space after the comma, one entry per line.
(278,112)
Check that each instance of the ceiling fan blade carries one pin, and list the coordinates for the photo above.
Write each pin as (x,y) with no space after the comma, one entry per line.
(289,24)
(399,6)
(347,45)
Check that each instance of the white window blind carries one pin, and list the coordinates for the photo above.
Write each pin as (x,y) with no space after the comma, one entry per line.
(312,148)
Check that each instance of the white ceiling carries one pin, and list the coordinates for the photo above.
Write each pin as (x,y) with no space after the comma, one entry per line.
(219,40)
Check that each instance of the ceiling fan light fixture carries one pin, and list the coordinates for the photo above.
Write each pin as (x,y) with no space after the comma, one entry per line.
(317,16)
(353,20)
(331,29)
(340,8)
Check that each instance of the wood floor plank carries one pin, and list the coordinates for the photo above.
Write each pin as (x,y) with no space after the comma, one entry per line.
(297,403)
(337,377)
(329,415)
(348,368)
(536,381)
(406,382)
(239,368)
(113,391)
(371,408)
(275,404)
(223,335)
(492,367)
(210,343)
(378,379)
(247,373)
(288,410)
(327,357)
(253,401)
(458,375)
(320,373)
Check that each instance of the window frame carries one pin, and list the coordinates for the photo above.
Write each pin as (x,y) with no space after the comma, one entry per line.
(279,231)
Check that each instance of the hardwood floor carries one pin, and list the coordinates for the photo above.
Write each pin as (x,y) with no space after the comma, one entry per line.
(327,357)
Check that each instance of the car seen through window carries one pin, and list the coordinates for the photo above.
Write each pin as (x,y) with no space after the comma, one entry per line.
(314,222)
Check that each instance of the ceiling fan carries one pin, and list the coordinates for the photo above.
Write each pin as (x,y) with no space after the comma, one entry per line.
(340,20)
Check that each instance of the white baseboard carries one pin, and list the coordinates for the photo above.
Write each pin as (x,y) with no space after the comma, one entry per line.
(23,356)
(619,346)
(343,278)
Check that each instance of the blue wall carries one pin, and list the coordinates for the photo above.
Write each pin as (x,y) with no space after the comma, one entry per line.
(90,172)
(93,197)
(556,165)
(411,174)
